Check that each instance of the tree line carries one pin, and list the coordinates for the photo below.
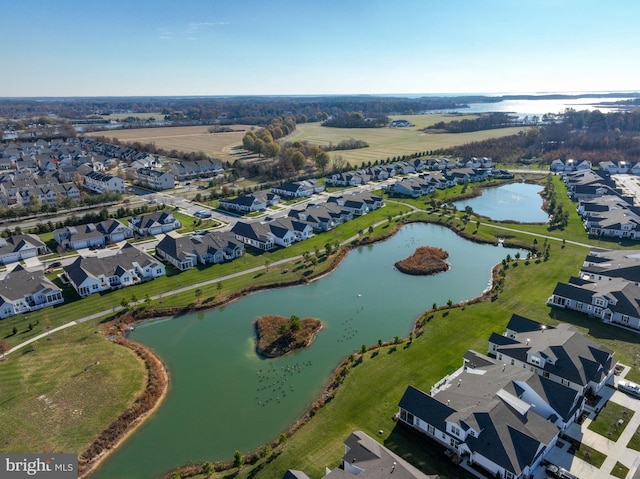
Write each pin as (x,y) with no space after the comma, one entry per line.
(582,135)
(356,119)
(484,122)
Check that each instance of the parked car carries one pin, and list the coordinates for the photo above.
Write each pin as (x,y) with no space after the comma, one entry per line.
(629,388)
(202,214)
(559,472)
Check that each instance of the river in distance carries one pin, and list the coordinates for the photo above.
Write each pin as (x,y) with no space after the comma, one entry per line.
(223,397)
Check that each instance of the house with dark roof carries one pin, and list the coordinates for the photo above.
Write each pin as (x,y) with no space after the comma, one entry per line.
(298,189)
(92,235)
(20,247)
(559,353)
(189,169)
(128,266)
(101,182)
(358,203)
(491,415)
(505,411)
(22,291)
(154,223)
(271,233)
(185,252)
(254,234)
(366,458)
(349,178)
(154,179)
(607,288)
(250,202)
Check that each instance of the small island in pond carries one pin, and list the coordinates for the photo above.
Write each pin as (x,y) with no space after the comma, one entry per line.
(279,335)
(426,260)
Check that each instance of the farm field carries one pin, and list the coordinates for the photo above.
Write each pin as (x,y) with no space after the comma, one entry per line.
(383,142)
(184,138)
(390,142)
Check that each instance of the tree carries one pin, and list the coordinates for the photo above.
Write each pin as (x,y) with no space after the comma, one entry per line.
(298,160)
(272,150)
(322,161)
(198,293)
(294,323)
(207,468)
(379,343)
(265,450)
(15,330)
(363,349)
(237,459)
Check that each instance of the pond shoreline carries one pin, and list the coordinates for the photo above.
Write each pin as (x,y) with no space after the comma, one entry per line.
(122,322)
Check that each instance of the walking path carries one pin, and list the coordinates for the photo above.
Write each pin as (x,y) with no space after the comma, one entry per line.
(240,273)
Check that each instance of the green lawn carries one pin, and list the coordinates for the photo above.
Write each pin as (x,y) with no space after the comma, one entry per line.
(590,455)
(620,470)
(392,142)
(606,422)
(60,394)
(634,442)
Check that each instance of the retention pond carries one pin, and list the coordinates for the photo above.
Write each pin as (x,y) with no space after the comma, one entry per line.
(224,397)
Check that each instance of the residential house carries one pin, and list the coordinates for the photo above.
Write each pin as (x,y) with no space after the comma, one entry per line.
(22,291)
(154,179)
(366,458)
(498,431)
(127,267)
(560,353)
(250,202)
(92,235)
(185,252)
(350,178)
(19,247)
(298,189)
(100,182)
(607,288)
(189,169)
(359,203)
(154,223)
(615,167)
(254,234)
(525,393)
(615,223)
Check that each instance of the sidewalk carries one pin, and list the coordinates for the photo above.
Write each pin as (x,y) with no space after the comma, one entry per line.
(616,451)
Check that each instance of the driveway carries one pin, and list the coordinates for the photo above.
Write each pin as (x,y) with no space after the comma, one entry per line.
(616,451)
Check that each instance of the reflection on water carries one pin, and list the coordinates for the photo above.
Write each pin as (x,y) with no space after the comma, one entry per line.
(516,202)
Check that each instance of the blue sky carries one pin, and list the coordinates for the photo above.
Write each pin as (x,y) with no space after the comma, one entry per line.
(282,47)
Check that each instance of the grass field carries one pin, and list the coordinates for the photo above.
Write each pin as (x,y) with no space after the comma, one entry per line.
(390,142)
(184,138)
(383,142)
(57,396)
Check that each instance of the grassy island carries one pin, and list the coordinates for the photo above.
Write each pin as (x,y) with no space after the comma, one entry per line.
(278,335)
(426,260)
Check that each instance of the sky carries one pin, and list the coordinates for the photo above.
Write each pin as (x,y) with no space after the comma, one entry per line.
(310,47)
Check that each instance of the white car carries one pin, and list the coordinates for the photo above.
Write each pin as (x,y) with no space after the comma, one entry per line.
(629,387)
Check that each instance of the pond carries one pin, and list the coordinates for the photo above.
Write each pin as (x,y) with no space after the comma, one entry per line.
(516,202)
(224,398)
